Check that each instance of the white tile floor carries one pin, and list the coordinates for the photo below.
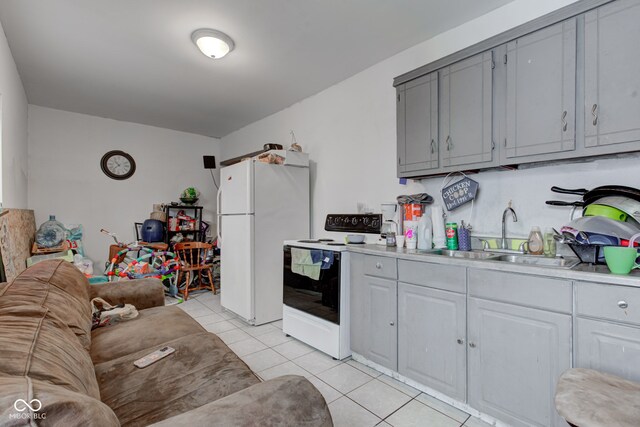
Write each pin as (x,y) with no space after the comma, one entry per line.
(358,396)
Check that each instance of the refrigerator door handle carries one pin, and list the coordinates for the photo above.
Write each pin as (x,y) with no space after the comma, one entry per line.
(219,213)
(219,200)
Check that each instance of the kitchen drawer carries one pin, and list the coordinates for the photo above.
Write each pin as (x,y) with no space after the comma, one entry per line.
(445,277)
(380,266)
(515,288)
(611,302)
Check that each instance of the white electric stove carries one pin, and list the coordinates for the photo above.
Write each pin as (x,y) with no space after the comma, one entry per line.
(316,304)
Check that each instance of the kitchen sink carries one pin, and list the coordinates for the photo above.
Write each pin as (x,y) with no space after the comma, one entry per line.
(537,260)
(464,254)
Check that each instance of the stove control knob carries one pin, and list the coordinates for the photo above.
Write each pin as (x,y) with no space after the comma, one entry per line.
(365,221)
(354,220)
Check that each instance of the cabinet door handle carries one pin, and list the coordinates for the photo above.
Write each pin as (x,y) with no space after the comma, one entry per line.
(623,304)
(564,121)
(460,341)
(472,345)
(594,113)
(378,265)
(433,146)
(448,142)
(391,323)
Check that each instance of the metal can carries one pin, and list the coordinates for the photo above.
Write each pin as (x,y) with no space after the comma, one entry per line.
(451,231)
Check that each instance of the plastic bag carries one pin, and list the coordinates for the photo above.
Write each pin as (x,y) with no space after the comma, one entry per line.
(74,237)
(104,314)
(85,265)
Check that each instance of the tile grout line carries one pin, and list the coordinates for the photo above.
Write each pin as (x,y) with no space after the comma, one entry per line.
(401,406)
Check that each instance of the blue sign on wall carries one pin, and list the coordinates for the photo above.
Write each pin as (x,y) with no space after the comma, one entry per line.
(459,193)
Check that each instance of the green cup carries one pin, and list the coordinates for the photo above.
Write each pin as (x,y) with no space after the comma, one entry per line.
(620,259)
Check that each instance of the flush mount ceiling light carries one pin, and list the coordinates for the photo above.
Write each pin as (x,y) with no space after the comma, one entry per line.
(212,43)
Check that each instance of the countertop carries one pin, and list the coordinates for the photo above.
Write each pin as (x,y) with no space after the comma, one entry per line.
(581,272)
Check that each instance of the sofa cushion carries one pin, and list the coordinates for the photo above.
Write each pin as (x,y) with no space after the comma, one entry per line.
(201,370)
(141,293)
(58,286)
(60,407)
(152,328)
(36,343)
(287,401)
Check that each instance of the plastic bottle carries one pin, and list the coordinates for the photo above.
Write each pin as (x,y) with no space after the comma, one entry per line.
(549,243)
(425,238)
(536,243)
(51,233)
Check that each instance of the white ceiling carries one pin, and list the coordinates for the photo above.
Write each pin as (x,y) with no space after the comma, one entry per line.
(133,60)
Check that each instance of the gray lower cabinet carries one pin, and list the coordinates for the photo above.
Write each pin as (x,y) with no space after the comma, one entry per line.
(519,343)
(373,303)
(608,347)
(540,95)
(607,334)
(417,126)
(466,113)
(612,79)
(515,356)
(494,339)
(431,338)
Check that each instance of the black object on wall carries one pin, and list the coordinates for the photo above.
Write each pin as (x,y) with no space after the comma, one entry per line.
(209,162)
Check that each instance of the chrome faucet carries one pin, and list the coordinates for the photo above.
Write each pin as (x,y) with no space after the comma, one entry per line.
(503,241)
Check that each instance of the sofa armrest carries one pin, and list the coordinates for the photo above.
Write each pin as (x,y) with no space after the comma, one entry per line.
(142,293)
(290,400)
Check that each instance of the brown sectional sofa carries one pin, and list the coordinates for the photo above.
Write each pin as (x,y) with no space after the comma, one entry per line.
(50,357)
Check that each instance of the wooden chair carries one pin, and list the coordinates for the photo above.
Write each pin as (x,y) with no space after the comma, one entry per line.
(192,256)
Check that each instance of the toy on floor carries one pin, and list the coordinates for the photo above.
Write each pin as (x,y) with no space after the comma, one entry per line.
(150,262)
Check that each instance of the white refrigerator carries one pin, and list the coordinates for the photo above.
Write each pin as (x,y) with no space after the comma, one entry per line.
(259,206)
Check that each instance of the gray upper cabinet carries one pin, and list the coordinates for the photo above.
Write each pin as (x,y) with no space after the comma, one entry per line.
(373,313)
(466,113)
(417,126)
(431,338)
(540,94)
(565,85)
(612,78)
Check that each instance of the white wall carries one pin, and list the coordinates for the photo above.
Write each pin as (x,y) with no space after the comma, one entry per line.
(13,153)
(349,130)
(65,178)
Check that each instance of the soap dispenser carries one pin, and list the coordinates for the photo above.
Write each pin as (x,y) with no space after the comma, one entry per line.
(536,242)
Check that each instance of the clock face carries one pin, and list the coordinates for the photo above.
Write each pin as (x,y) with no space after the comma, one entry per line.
(118,165)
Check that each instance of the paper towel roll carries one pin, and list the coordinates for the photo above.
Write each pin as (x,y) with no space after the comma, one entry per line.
(437,216)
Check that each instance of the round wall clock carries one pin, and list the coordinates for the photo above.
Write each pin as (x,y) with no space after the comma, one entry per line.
(117,164)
